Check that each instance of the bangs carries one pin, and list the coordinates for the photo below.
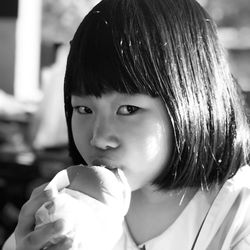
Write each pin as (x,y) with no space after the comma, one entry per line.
(98,66)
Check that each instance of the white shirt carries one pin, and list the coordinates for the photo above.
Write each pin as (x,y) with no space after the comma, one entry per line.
(215,220)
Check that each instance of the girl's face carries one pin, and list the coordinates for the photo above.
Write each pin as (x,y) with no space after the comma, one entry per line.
(130,132)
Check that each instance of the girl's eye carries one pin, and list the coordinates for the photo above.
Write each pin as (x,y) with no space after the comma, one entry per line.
(82,110)
(127,110)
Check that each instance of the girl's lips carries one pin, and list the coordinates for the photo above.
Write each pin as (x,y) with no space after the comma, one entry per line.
(110,166)
(104,162)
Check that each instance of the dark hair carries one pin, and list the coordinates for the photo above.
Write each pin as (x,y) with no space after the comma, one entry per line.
(168,49)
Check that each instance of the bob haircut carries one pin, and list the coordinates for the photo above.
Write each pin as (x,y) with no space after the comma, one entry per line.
(167,49)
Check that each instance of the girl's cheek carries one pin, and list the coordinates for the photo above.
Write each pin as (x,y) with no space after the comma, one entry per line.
(151,147)
(81,133)
(154,140)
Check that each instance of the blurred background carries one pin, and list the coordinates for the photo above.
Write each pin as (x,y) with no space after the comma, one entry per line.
(34,38)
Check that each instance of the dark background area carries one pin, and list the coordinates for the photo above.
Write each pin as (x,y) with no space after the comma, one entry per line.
(8,8)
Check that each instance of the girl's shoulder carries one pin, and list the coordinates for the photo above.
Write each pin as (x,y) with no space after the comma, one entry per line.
(228,221)
(236,191)
(240,182)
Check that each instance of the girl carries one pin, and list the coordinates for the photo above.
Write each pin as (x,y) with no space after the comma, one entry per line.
(148,90)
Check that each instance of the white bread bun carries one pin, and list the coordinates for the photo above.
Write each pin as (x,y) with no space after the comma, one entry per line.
(92,201)
(109,186)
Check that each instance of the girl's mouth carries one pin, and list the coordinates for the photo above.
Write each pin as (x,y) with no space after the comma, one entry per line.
(105,163)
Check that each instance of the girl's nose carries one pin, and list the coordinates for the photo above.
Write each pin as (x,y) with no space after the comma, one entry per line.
(104,135)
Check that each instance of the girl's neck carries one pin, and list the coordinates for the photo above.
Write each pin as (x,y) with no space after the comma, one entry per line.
(152,212)
(151,195)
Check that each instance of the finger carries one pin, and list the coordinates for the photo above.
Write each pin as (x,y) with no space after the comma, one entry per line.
(31,206)
(26,220)
(37,191)
(41,236)
(64,244)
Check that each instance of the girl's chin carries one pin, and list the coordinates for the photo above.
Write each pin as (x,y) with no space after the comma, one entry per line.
(134,186)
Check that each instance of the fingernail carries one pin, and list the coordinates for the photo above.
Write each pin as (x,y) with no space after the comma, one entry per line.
(68,242)
(50,193)
(49,205)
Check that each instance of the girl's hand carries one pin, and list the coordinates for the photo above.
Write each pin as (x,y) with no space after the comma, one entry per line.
(25,236)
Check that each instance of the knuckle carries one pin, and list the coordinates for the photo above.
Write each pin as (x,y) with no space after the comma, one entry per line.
(23,211)
(38,190)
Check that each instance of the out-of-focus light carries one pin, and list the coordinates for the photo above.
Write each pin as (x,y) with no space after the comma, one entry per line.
(232,38)
(28,40)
